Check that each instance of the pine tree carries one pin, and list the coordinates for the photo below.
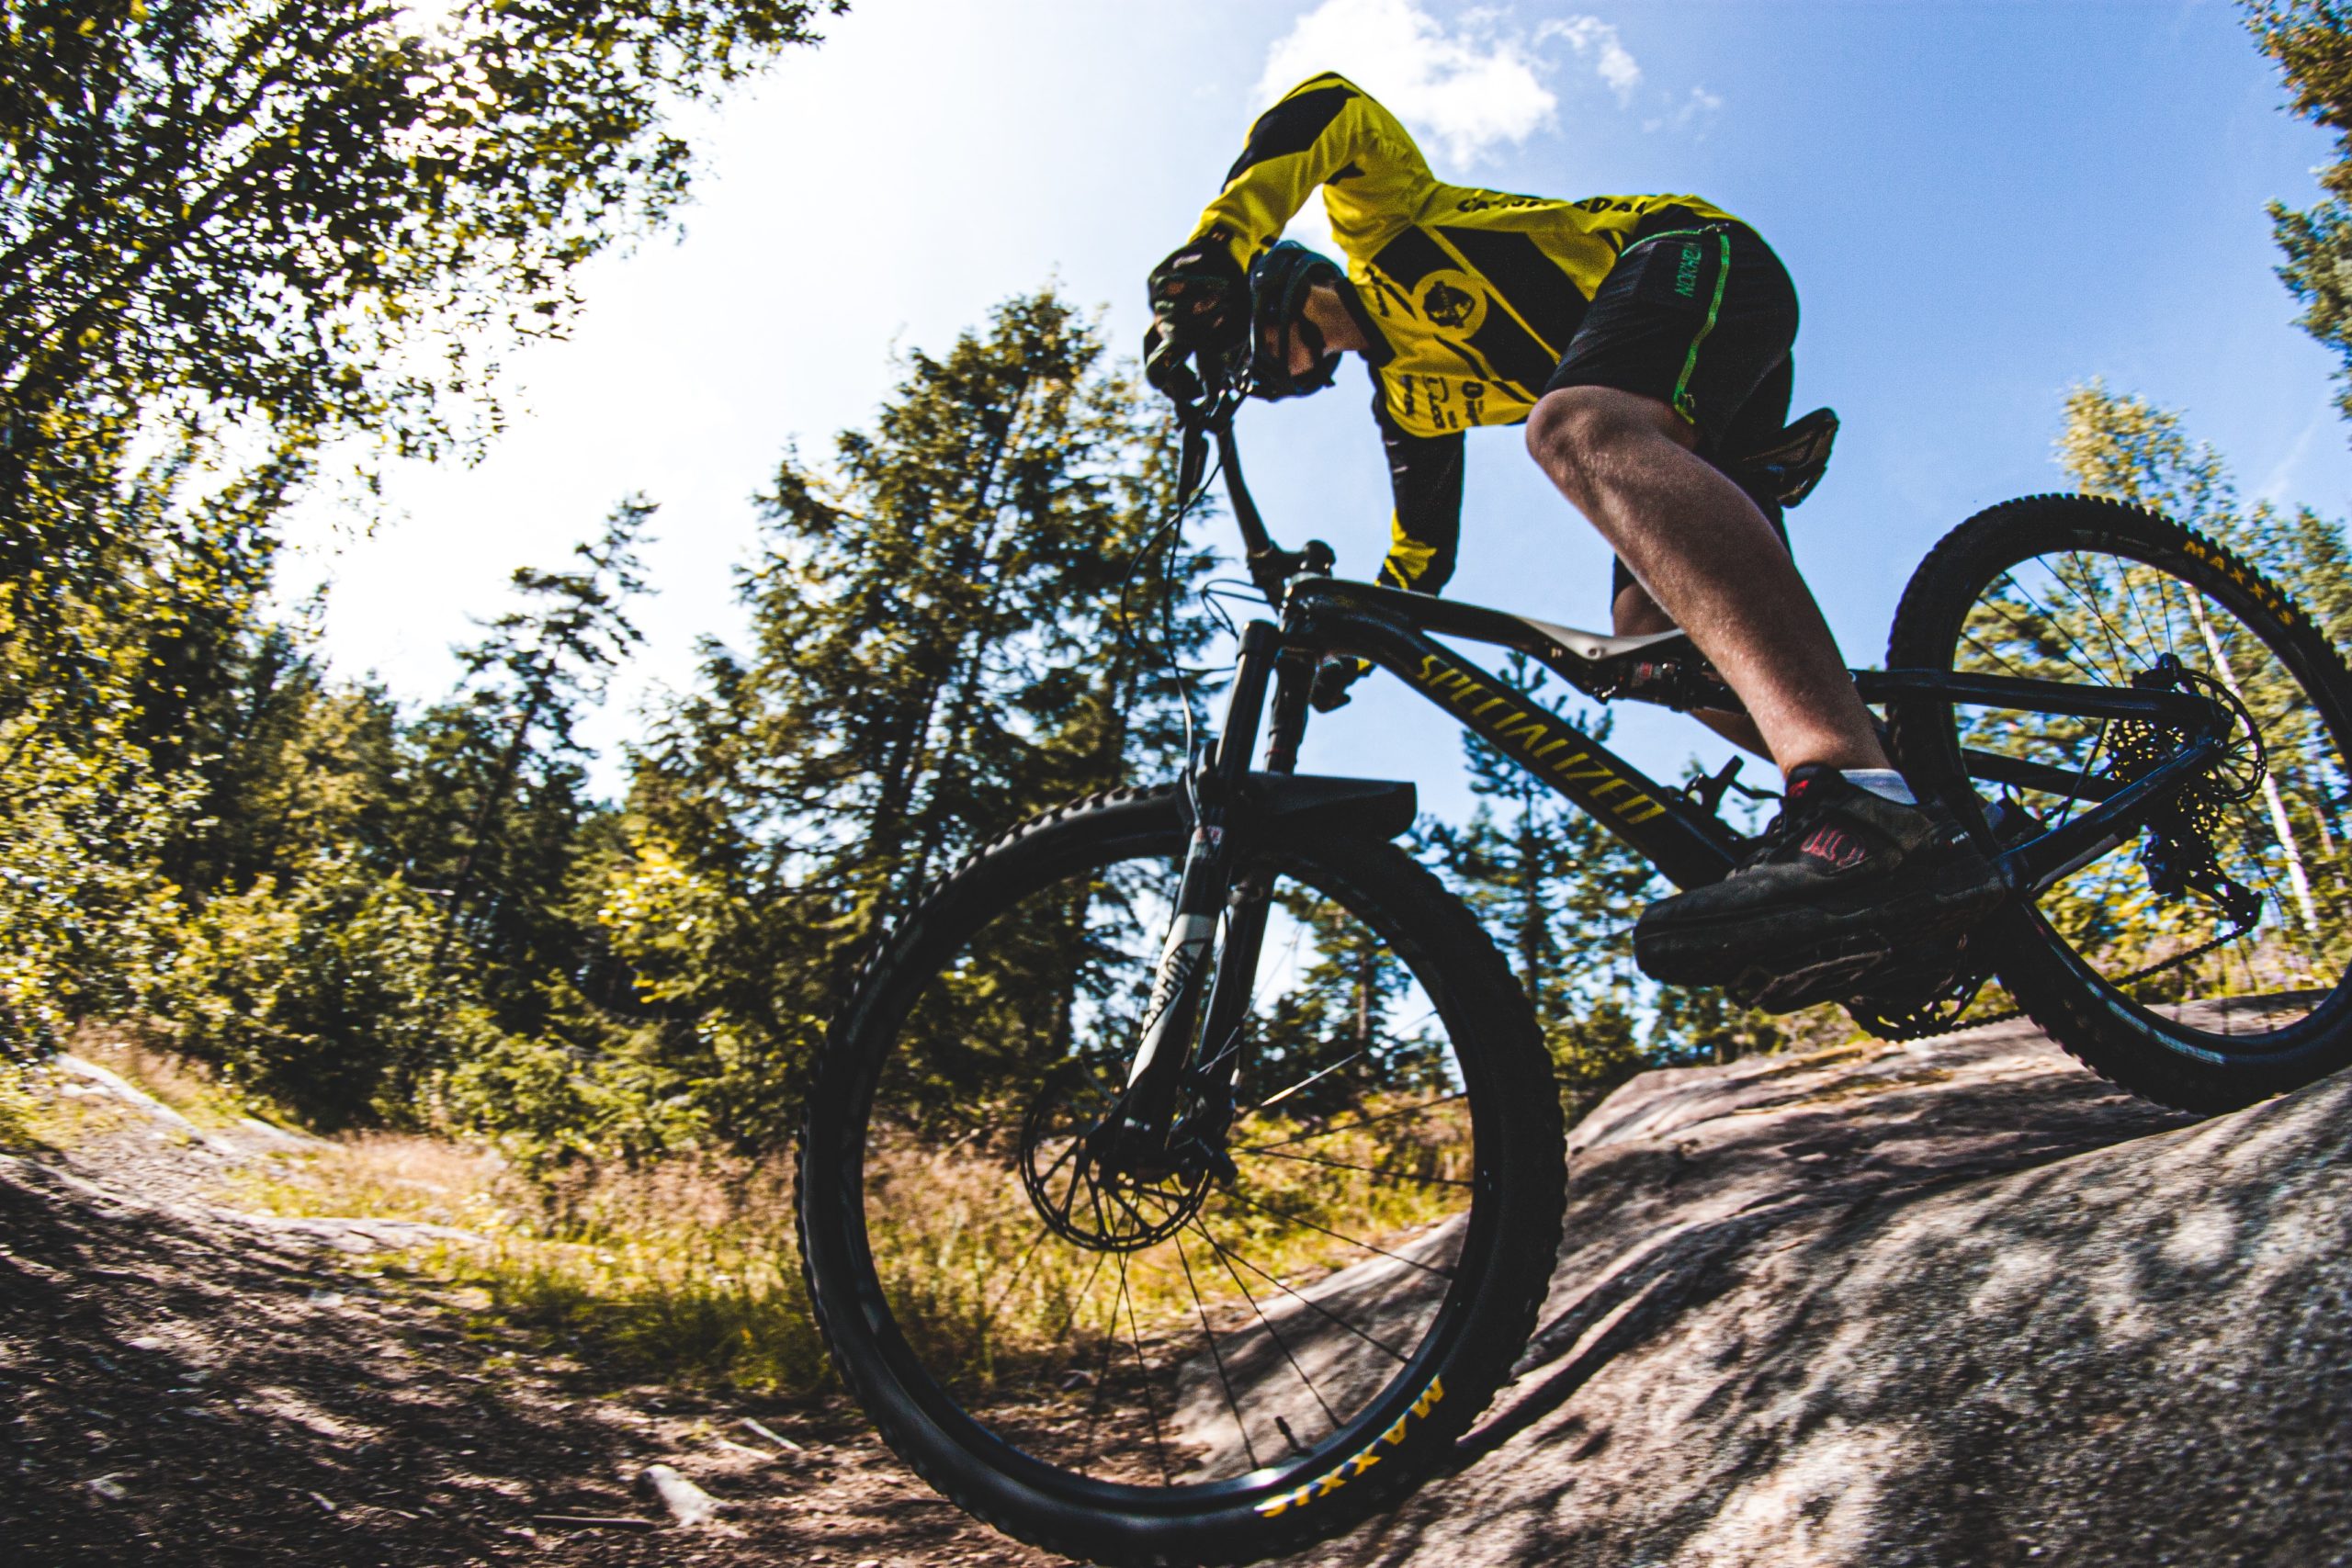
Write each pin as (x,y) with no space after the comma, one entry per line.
(2127,449)
(2312,41)
(936,652)
(505,756)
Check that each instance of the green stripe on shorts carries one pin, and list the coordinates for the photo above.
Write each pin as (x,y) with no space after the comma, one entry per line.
(1682,404)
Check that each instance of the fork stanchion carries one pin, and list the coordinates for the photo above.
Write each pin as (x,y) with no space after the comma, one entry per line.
(1259,643)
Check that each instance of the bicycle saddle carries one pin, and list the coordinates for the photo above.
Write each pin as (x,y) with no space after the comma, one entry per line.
(1596,648)
(1788,467)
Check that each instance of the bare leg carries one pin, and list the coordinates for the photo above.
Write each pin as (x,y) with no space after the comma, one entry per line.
(1705,554)
(1635,613)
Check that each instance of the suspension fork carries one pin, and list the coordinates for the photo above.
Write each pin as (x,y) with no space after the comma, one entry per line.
(1206,889)
(1248,906)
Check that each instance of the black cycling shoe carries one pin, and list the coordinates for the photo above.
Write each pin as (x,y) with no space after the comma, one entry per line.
(1839,887)
(1332,679)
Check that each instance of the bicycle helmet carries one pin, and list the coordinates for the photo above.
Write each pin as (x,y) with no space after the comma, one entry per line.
(1278,284)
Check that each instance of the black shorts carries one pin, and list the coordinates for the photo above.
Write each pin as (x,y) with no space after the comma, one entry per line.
(1701,318)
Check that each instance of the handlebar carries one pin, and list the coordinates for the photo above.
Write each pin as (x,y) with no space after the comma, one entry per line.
(1206,403)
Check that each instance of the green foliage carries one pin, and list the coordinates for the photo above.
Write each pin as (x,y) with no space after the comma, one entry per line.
(936,651)
(2285,838)
(318,994)
(237,227)
(548,1104)
(1348,1023)
(228,230)
(253,207)
(1698,1026)
(2312,41)
(505,762)
(2126,448)
(19,1107)
(93,800)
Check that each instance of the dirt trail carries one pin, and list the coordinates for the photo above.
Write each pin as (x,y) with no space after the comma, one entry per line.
(190,1386)
(1956,1305)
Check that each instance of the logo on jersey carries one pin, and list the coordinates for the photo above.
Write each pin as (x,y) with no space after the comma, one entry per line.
(1445,306)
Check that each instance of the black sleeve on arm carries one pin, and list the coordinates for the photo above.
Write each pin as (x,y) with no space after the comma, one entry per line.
(1425,474)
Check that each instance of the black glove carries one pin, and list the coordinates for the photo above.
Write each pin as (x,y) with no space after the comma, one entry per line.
(1166,367)
(1200,298)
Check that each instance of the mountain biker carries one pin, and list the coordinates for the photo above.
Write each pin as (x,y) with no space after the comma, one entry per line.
(1641,339)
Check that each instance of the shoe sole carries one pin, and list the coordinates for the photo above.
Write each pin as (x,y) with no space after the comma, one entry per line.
(1732,948)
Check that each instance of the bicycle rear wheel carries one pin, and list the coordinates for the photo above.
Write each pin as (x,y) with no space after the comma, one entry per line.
(1193,1367)
(2201,963)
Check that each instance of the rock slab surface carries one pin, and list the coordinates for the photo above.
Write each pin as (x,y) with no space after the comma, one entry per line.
(1956,1302)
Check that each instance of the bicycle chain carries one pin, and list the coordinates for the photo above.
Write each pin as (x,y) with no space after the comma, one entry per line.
(2174,962)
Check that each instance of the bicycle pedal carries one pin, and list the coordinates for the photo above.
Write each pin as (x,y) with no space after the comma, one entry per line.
(1822,978)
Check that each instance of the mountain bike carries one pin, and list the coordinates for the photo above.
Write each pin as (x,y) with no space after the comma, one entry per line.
(1184,1173)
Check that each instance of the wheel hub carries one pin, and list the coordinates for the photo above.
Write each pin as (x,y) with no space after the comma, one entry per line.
(1092,1183)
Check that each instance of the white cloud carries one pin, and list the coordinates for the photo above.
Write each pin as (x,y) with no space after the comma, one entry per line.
(1467,88)
(1697,111)
(1612,61)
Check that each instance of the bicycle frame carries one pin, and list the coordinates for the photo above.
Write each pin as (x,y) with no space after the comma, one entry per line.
(1676,830)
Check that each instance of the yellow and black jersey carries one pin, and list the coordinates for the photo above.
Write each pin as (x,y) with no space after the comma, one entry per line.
(1473,294)
(1467,297)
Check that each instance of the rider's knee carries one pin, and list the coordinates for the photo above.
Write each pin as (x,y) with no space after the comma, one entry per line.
(1570,432)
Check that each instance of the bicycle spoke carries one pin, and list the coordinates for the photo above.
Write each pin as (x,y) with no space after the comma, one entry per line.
(1310,1079)
(1216,1355)
(2050,619)
(1101,1378)
(1143,1373)
(1367,1170)
(1329,1416)
(1307,1301)
(1013,1284)
(1335,1236)
(2114,642)
(2000,658)
(1077,1302)
(988,1318)
(1421,1110)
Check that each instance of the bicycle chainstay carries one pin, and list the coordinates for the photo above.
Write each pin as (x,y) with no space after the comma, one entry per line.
(1899,1028)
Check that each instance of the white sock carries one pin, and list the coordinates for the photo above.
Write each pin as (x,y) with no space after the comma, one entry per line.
(1884,782)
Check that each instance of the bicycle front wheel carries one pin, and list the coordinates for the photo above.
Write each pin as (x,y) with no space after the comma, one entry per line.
(1183,1367)
(2201,962)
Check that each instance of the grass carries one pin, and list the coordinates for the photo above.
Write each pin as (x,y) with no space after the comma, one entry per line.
(682,1272)
(687,1273)
(957,1241)
(22,1111)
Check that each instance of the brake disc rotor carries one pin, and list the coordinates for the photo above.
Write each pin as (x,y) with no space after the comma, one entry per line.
(1084,1195)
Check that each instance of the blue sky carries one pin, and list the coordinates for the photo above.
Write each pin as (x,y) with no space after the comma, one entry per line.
(1981,204)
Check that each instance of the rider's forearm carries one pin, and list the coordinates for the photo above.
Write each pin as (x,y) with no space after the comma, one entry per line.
(1425,476)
